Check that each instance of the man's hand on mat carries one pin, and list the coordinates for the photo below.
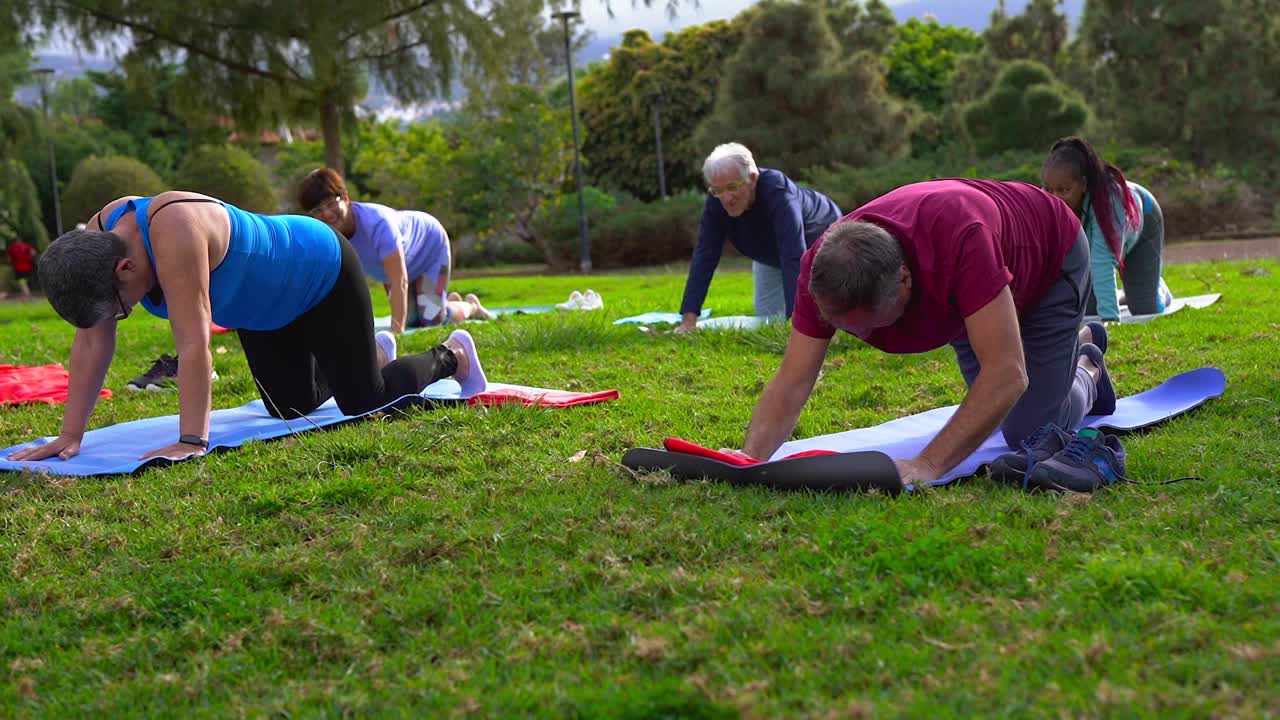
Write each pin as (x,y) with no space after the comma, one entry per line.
(64,447)
(916,471)
(176,451)
(736,453)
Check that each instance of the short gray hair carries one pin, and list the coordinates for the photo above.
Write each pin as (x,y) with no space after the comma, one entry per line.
(856,268)
(78,275)
(735,155)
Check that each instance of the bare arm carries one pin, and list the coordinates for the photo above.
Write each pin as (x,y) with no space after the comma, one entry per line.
(997,343)
(785,396)
(397,289)
(91,353)
(182,269)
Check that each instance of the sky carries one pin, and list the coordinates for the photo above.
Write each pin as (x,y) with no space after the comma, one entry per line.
(654,18)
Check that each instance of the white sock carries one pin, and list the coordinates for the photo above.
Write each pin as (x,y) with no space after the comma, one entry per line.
(387,342)
(476,381)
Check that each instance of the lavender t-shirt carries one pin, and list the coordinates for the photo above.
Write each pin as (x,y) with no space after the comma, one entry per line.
(380,231)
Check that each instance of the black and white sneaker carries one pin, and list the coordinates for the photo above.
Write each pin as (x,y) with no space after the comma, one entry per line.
(163,375)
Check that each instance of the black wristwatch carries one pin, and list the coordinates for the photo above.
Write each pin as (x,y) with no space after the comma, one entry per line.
(193,440)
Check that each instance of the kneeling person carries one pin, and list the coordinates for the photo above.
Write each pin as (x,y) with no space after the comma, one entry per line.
(1000,271)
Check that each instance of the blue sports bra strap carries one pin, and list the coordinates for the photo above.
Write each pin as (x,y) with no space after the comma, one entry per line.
(119,212)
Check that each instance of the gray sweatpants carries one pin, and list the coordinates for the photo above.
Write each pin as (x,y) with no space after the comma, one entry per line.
(1058,391)
(1143,265)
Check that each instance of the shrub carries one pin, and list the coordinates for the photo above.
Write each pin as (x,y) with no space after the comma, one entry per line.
(97,181)
(1196,201)
(1027,108)
(624,232)
(228,173)
(472,251)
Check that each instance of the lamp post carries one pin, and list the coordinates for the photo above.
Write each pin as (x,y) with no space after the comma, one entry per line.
(565,16)
(45,75)
(654,100)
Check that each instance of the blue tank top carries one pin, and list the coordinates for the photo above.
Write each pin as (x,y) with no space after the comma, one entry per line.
(277,267)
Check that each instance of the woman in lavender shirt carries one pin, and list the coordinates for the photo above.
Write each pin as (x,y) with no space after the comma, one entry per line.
(406,250)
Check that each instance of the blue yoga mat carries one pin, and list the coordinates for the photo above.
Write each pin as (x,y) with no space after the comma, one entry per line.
(654,318)
(906,437)
(384,322)
(116,449)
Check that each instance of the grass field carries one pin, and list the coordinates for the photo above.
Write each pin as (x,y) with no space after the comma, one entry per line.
(457,561)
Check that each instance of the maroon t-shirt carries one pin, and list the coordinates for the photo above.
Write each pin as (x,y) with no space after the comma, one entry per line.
(964,242)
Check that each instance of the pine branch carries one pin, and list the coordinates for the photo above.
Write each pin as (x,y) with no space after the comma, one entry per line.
(386,19)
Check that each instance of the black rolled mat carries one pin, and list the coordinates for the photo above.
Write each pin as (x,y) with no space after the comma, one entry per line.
(867,470)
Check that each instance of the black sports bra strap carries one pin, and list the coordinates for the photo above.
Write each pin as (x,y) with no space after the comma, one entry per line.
(182,200)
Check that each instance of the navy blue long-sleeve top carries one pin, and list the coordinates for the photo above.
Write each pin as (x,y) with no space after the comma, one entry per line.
(780,225)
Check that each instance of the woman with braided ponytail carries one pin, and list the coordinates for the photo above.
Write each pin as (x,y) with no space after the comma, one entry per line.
(1122,221)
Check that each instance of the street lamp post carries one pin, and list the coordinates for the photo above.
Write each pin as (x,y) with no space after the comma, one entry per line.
(45,75)
(655,100)
(565,16)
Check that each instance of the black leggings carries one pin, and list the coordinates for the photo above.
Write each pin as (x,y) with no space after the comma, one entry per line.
(329,351)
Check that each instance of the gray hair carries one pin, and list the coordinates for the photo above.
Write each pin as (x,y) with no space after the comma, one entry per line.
(735,155)
(78,275)
(856,268)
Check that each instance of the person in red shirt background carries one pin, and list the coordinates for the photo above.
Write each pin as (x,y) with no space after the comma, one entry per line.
(998,270)
(22,256)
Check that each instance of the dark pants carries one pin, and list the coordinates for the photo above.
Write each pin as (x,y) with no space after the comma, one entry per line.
(1058,391)
(329,351)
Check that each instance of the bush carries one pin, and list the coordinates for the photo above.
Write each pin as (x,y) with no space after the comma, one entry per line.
(624,232)
(471,251)
(20,206)
(852,188)
(1197,201)
(99,180)
(228,173)
(1027,108)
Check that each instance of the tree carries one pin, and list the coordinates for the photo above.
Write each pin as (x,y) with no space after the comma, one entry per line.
(262,63)
(1025,110)
(860,26)
(922,59)
(489,168)
(677,77)
(1200,77)
(794,97)
(1039,33)
(19,201)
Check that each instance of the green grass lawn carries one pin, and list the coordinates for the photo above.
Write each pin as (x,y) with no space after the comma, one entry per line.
(457,561)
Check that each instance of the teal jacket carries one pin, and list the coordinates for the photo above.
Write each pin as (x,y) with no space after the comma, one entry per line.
(1102,263)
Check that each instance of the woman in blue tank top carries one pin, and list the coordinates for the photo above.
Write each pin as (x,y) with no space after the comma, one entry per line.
(405,250)
(291,287)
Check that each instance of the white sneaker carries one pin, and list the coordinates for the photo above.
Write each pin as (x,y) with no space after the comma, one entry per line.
(1166,295)
(573,303)
(592,300)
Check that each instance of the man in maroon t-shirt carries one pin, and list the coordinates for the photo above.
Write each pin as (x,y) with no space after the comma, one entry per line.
(22,256)
(998,270)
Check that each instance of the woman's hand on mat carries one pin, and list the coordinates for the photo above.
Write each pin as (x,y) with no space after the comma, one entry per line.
(176,451)
(62,446)
(916,471)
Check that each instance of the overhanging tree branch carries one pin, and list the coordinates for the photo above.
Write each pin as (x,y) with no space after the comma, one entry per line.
(386,19)
(177,42)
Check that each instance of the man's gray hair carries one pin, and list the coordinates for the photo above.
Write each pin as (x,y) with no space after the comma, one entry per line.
(730,155)
(856,268)
(78,275)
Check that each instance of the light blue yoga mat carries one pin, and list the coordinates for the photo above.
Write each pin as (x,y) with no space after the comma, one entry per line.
(737,322)
(654,318)
(906,437)
(384,322)
(116,449)
(1195,302)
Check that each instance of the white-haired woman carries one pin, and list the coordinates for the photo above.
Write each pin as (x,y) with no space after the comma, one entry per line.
(767,217)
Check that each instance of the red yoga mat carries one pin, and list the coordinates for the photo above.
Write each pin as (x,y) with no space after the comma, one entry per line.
(688,448)
(503,394)
(20,384)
